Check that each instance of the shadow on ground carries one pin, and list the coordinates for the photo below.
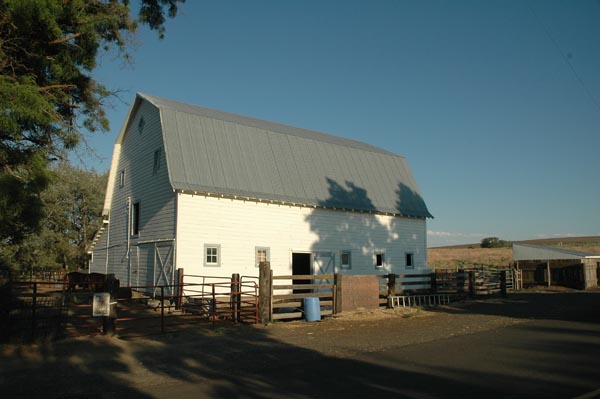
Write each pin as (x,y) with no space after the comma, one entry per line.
(566,306)
(557,354)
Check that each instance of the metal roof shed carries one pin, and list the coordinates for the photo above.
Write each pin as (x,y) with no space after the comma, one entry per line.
(546,264)
(544,252)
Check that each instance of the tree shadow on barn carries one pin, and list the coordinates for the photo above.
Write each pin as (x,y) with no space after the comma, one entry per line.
(363,232)
(359,231)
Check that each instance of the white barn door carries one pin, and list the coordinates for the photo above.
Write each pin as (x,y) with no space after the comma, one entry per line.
(163,266)
(323,263)
(155,267)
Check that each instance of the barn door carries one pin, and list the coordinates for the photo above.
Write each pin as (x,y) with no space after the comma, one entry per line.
(163,261)
(154,267)
(323,263)
(143,272)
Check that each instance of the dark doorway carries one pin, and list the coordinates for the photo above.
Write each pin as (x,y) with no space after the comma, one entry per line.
(300,266)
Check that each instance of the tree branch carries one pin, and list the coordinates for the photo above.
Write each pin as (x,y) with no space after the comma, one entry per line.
(65,39)
(57,87)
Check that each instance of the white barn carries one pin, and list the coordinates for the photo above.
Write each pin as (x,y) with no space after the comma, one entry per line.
(214,193)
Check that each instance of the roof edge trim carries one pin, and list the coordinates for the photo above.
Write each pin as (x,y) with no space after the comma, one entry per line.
(296,204)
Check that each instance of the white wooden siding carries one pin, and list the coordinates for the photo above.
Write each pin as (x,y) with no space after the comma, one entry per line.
(152,191)
(98,263)
(241,226)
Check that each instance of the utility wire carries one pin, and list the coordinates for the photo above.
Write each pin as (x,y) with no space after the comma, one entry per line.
(565,57)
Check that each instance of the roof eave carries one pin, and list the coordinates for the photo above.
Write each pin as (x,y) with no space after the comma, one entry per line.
(300,204)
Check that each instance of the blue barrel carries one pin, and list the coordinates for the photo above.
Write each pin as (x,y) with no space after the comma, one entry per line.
(312,309)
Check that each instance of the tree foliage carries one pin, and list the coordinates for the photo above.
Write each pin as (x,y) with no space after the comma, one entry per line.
(493,242)
(48,97)
(73,204)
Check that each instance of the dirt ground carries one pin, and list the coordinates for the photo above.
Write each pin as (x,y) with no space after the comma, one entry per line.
(226,353)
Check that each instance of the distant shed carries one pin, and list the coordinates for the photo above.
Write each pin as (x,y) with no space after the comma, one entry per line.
(547,265)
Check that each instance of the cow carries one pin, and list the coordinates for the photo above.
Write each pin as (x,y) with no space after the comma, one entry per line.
(92,282)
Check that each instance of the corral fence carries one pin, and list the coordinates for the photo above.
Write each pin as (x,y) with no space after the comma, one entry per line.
(31,310)
(35,274)
(443,286)
(219,299)
(40,310)
(289,292)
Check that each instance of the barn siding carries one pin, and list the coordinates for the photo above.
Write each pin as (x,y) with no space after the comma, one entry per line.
(152,191)
(240,226)
(98,262)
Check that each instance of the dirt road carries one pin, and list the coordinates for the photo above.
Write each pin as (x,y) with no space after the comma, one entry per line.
(529,345)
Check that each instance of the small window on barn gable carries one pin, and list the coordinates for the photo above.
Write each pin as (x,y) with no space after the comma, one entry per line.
(345,260)
(141,125)
(122,179)
(379,259)
(410,260)
(157,161)
(262,255)
(212,255)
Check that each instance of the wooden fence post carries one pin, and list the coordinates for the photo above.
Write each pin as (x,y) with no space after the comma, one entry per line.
(337,303)
(433,282)
(33,311)
(162,309)
(179,294)
(264,292)
(391,289)
(471,284)
(503,283)
(235,297)
(460,282)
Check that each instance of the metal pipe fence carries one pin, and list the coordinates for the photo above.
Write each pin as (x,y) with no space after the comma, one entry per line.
(40,310)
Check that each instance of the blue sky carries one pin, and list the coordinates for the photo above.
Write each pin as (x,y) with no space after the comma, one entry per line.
(495,104)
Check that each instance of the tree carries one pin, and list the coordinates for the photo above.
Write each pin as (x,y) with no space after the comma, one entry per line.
(48,97)
(493,242)
(73,204)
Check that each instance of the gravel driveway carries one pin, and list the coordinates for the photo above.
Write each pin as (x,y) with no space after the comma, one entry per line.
(333,357)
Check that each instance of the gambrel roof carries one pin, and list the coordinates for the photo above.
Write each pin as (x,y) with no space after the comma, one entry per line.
(218,153)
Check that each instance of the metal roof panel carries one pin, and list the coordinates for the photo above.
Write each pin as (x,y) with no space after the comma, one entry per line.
(213,151)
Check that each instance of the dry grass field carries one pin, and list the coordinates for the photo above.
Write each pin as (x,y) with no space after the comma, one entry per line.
(472,255)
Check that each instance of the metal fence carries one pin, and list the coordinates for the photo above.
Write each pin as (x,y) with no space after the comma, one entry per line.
(40,310)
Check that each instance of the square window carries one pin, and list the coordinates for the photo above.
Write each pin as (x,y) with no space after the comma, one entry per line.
(212,255)
(379,259)
(345,260)
(262,255)
(410,260)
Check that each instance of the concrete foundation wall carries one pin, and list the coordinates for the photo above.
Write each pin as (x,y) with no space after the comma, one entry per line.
(357,292)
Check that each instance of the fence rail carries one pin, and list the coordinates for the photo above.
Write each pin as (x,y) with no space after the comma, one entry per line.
(421,289)
(288,293)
